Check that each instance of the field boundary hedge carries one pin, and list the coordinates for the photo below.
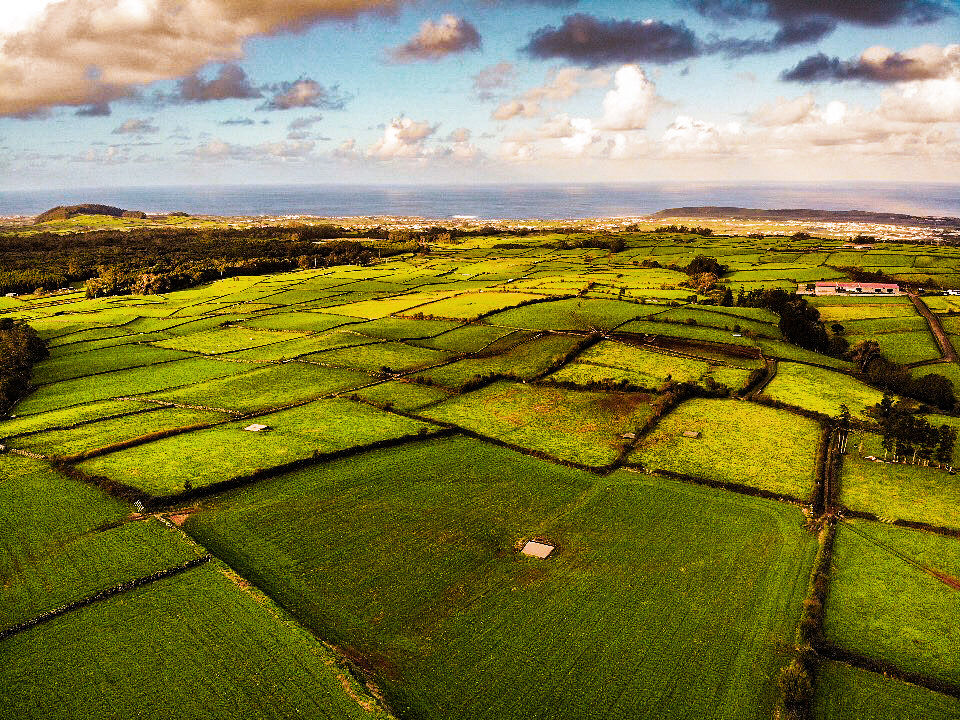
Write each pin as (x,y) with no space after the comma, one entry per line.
(912,524)
(103,595)
(738,488)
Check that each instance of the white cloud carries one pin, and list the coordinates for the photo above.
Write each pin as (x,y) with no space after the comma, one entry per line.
(629,104)
(688,136)
(402,138)
(783,112)
(560,85)
(436,40)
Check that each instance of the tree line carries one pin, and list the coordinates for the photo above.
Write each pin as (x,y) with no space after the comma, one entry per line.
(911,436)
(20,348)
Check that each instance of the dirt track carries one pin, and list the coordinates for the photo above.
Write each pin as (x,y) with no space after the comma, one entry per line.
(946,347)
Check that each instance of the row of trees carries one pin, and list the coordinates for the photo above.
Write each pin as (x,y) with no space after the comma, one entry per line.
(887,375)
(911,437)
(20,348)
(799,321)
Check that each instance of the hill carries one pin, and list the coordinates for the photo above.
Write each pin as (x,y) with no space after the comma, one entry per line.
(65,212)
(861,216)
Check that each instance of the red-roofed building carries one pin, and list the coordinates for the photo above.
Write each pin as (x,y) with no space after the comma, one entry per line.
(833,287)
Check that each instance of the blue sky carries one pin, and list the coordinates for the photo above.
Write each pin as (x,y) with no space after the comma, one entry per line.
(148,92)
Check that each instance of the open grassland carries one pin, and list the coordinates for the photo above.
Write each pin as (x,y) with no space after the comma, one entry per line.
(296,322)
(882,605)
(471,305)
(303,346)
(682,330)
(121,383)
(91,436)
(575,425)
(206,457)
(821,390)
(739,442)
(58,368)
(402,395)
(59,542)
(228,656)
(511,356)
(381,356)
(68,417)
(267,387)
(573,314)
(619,362)
(466,338)
(848,693)
(895,490)
(721,580)
(224,340)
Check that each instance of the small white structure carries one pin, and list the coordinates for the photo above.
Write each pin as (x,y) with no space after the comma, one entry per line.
(695,434)
(537,549)
(255,428)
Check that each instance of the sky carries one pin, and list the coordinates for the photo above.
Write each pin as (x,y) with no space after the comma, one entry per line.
(107,93)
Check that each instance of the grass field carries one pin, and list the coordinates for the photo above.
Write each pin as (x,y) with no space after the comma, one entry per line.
(576,425)
(847,693)
(229,656)
(205,457)
(739,442)
(895,490)
(590,630)
(68,367)
(824,391)
(889,609)
(572,314)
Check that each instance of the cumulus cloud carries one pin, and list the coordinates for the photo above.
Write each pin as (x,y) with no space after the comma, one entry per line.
(688,136)
(860,12)
(436,40)
(47,60)
(560,85)
(402,138)
(490,80)
(879,65)
(927,101)
(593,41)
(230,82)
(304,93)
(628,105)
(136,126)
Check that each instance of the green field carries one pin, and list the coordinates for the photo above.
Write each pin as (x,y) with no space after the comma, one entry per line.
(847,693)
(575,425)
(738,442)
(886,607)
(721,580)
(896,490)
(229,656)
(821,390)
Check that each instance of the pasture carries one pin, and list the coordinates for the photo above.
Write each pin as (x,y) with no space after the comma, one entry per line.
(821,390)
(721,580)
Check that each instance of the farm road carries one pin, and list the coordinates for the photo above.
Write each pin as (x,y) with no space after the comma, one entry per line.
(946,347)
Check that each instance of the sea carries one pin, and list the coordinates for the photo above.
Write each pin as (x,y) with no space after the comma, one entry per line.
(496,202)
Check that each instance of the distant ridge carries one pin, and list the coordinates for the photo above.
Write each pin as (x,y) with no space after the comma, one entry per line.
(65,212)
(863,216)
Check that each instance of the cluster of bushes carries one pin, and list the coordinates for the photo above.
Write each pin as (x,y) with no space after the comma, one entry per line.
(20,348)
(701,231)
(613,243)
(799,321)
(887,375)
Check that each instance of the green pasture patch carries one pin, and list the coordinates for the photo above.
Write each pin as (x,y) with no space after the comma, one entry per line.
(402,395)
(615,362)
(404,329)
(761,315)
(848,693)
(225,452)
(680,330)
(821,390)
(55,369)
(718,320)
(573,314)
(301,346)
(266,387)
(465,339)
(878,326)
(297,322)
(886,607)
(91,436)
(45,576)
(863,309)
(738,442)
(786,351)
(897,490)
(793,274)
(576,425)
(16,425)
(121,383)
(942,303)
(224,340)
(951,371)
(377,356)
(524,360)
(647,574)
(471,305)
(195,645)
(909,347)
(382,307)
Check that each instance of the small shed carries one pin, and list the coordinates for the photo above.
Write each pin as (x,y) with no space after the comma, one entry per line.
(537,549)
(692,434)
(629,436)
(255,428)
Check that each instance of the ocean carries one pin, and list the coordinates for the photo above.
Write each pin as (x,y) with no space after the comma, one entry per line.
(546,202)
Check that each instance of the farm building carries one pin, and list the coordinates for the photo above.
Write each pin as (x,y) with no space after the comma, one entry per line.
(848,288)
